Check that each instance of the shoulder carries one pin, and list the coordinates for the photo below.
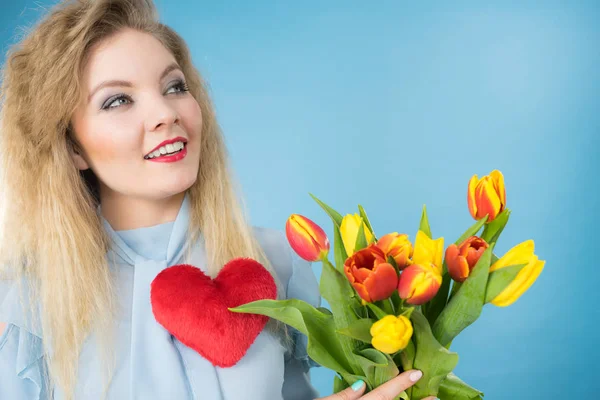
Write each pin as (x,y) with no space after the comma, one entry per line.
(21,348)
(22,364)
(277,250)
(16,309)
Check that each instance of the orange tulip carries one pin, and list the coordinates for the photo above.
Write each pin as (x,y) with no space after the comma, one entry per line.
(487,196)
(371,276)
(307,239)
(419,283)
(397,246)
(462,259)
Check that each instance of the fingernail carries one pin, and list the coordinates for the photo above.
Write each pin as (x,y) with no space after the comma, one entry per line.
(357,385)
(415,376)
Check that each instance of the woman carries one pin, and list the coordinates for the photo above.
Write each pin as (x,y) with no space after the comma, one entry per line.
(114,168)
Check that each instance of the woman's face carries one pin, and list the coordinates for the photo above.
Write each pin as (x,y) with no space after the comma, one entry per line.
(135,99)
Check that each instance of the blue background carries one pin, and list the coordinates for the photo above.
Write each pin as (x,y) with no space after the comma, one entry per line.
(394,106)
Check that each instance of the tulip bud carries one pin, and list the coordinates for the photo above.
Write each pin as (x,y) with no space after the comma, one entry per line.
(397,246)
(371,276)
(419,283)
(349,232)
(487,196)
(462,259)
(391,334)
(307,239)
(520,254)
(428,251)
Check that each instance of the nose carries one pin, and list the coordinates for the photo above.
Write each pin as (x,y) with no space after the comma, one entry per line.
(161,116)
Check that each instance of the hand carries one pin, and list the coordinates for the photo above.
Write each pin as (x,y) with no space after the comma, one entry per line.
(388,391)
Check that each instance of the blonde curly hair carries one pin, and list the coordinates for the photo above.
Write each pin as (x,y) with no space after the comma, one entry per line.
(50,234)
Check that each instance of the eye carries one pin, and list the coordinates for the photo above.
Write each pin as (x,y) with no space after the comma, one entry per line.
(110,103)
(180,87)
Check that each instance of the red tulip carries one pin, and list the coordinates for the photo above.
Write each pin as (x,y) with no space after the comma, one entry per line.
(419,283)
(307,239)
(371,276)
(462,259)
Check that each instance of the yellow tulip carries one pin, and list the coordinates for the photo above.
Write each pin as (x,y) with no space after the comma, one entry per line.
(391,334)
(486,196)
(428,251)
(349,232)
(520,254)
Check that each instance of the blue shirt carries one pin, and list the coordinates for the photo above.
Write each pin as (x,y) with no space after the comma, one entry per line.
(152,363)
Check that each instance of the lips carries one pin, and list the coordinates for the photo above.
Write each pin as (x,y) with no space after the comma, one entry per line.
(166,142)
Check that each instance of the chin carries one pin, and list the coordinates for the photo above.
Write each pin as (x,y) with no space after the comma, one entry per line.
(184,183)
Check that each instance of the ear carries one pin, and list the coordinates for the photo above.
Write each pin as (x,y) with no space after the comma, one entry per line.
(79,161)
(77,156)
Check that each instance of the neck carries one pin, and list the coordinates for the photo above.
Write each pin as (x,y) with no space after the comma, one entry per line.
(127,212)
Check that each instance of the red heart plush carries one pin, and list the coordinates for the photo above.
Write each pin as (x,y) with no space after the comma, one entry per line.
(194,307)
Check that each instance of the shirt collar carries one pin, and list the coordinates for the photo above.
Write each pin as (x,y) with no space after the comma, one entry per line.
(175,244)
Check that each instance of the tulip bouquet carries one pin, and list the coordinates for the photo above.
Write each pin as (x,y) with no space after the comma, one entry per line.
(395,305)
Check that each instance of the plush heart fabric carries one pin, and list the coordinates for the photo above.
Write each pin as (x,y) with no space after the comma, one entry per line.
(193,307)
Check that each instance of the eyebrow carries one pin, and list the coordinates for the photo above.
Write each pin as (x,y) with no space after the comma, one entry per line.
(170,67)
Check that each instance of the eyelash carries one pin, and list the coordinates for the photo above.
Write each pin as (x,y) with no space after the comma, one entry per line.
(178,84)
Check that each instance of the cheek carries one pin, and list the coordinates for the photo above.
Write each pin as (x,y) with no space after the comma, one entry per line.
(191,117)
(109,143)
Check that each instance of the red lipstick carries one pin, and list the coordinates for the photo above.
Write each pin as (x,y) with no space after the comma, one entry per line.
(172,157)
(169,141)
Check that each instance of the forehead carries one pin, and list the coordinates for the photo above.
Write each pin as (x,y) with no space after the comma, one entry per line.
(128,55)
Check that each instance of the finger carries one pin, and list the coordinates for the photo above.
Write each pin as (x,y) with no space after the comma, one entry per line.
(392,388)
(351,393)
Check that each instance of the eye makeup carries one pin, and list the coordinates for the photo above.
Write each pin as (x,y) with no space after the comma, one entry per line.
(107,105)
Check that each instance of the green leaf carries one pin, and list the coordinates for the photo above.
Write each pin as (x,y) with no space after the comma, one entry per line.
(472,231)
(391,261)
(407,356)
(325,310)
(339,250)
(452,388)
(363,215)
(336,289)
(386,306)
(379,313)
(439,301)
(323,345)
(334,215)
(494,258)
(408,312)
(492,231)
(377,366)
(435,306)
(500,279)
(424,225)
(431,357)
(359,330)
(396,301)
(361,238)
(455,287)
(465,306)
(339,384)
